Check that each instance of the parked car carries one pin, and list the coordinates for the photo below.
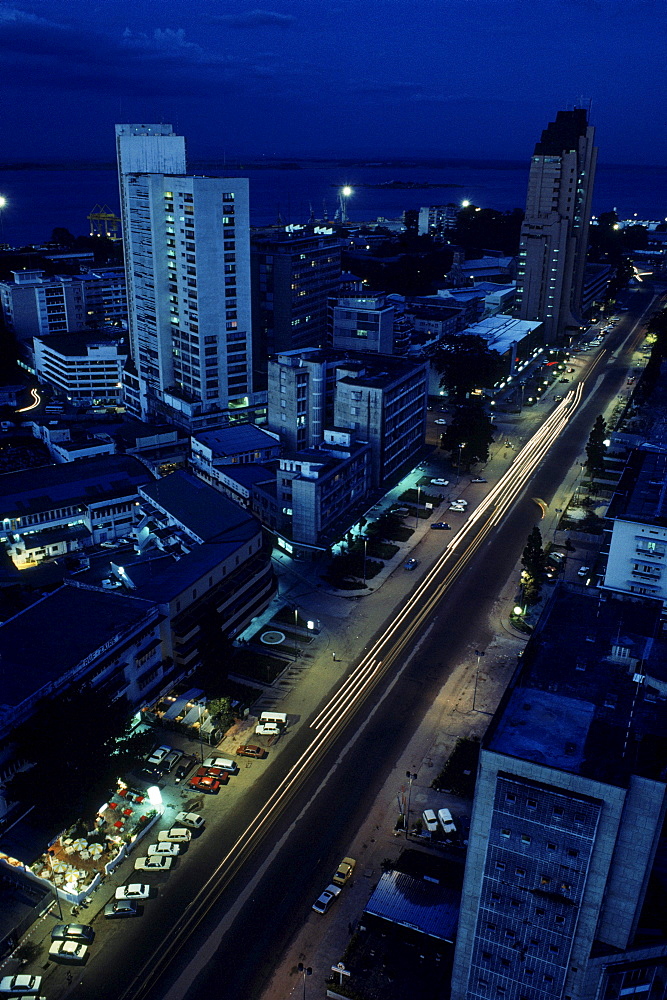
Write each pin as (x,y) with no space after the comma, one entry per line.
(224,762)
(182,771)
(20,985)
(324,901)
(170,760)
(68,951)
(213,772)
(166,849)
(564,380)
(440,482)
(411,564)
(558,399)
(177,835)
(344,871)
(250,750)
(121,908)
(157,756)
(72,932)
(446,821)
(192,820)
(583,571)
(478,479)
(133,891)
(156,863)
(429,820)
(441,422)
(456,506)
(205,784)
(441,526)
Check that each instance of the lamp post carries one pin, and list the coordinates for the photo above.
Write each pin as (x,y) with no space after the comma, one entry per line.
(201,740)
(55,887)
(365,548)
(411,776)
(305,970)
(458,464)
(479,653)
(419,493)
(343,196)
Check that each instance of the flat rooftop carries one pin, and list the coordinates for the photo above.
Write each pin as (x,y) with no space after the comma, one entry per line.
(200,508)
(239,438)
(41,644)
(586,698)
(641,494)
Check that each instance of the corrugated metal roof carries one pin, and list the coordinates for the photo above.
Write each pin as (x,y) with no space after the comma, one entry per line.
(411,902)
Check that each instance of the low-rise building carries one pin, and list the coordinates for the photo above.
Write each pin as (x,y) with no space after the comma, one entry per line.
(98,493)
(362,323)
(213,452)
(81,635)
(638,519)
(85,367)
(203,559)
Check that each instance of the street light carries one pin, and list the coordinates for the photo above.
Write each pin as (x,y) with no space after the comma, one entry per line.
(479,653)
(343,195)
(305,970)
(458,466)
(419,493)
(365,547)
(411,777)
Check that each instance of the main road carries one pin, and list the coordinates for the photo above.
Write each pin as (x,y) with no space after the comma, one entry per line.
(230,908)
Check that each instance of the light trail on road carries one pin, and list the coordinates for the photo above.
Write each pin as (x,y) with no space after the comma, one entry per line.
(359,684)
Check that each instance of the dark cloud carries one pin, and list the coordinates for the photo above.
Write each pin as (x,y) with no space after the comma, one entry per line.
(257,19)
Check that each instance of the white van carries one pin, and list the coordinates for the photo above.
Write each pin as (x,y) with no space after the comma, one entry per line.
(177,835)
(279,718)
(446,822)
(224,763)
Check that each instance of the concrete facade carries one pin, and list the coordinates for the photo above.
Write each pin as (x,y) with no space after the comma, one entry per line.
(554,234)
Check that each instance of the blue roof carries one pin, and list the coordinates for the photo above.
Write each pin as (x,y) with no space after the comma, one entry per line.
(411,902)
(238,438)
(201,508)
(544,727)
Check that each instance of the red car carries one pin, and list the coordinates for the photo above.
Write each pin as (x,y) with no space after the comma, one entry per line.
(213,772)
(248,750)
(204,784)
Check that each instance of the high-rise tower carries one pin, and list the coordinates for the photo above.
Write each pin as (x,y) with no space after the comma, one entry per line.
(554,235)
(187,259)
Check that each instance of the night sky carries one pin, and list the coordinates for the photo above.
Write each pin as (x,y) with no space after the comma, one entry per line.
(290,78)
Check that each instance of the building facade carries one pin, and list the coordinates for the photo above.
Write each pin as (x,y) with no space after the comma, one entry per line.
(293,275)
(554,234)
(567,818)
(187,257)
(362,323)
(85,367)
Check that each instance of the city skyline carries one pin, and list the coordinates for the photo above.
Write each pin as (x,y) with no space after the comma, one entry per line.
(289,78)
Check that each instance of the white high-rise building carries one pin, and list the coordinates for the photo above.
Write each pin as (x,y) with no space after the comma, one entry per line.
(187,259)
(554,234)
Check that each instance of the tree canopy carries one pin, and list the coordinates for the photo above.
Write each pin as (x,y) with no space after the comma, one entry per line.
(471,430)
(532,561)
(595,448)
(465,363)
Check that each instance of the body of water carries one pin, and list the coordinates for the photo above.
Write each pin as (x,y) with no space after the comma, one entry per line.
(39,200)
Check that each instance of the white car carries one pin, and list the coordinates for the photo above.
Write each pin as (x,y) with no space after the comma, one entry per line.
(324,901)
(158,755)
(456,506)
(68,951)
(165,849)
(440,482)
(20,985)
(430,821)
(446,821)
(156,863)
(440,422)
(583,571)
(177,835)
(133,891)
(192,820)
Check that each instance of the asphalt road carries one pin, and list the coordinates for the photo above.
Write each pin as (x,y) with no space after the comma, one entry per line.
(331,803)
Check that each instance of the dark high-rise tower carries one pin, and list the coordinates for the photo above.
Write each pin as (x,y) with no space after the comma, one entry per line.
(554,235)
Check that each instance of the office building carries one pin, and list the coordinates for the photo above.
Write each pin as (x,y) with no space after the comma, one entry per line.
(381,399)
(36,305)
(562,896)
(294,272)
(362,323)
(554,234)
(85,367)
(436,220)
(187,258)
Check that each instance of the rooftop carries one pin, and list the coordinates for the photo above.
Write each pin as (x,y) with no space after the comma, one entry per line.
(239,438)
(41,644)
(413,902)
(87,481)
(200,508)
(597,714)
(74,345)
(641,494)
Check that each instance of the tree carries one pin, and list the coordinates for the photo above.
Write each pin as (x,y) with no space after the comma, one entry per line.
(466,364)
(221,710)
(470,430)
(532,561)
(79,743)
(595,449)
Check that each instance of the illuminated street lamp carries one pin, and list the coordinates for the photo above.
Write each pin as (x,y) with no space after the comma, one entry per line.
(411,776)
(3,202)
(306,971)
(343,195)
